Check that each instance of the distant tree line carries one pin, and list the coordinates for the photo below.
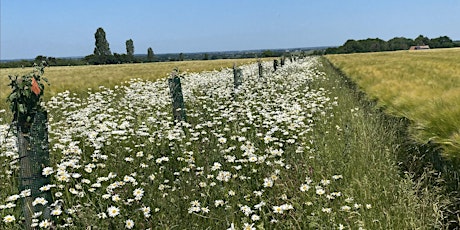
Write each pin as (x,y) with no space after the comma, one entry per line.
(397,43)
(103,55)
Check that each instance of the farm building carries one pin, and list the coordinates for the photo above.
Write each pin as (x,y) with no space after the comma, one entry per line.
(419,48)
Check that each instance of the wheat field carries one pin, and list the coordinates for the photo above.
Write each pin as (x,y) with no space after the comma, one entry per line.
(423,86)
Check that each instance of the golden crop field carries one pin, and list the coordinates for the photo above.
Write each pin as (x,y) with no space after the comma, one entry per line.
(77,79)
(423,86)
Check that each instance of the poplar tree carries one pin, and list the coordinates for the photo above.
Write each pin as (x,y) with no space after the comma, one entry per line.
(102,45)
(130,47)
(150,55)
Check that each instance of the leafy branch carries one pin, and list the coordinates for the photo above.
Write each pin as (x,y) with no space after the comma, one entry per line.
(26,95)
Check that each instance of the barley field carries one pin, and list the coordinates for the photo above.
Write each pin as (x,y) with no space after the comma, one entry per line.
(423,86)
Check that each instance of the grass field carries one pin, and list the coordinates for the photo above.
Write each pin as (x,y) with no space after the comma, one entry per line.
(294,150)
(423,86)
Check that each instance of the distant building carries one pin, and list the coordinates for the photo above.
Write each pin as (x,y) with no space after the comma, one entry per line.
(419,48)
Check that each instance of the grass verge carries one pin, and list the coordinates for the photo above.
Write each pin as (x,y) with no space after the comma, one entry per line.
(429,170)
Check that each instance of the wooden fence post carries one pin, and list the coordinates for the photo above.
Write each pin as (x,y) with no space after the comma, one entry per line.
(282,60)
(175,90)
(34,157)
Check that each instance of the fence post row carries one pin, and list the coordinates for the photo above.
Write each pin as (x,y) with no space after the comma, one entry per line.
(34,156)
(175,90)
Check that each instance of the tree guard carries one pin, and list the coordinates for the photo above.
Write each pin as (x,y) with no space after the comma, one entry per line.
(261,69)
(32,133)
(237,77)
(175,90)
(34,156)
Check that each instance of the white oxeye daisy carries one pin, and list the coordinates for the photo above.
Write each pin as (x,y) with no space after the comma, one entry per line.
(320,191)
(56,212)
(278,209)
(205,209)
(249,226)
(47,171)
(345,208)
(39,200)
(113,211)
(45,224)
(9,219)
(222,140)
(129,224)
(304,187)
(268,182)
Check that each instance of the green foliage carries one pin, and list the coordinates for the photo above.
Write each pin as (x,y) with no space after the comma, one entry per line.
(400,43)
(25,98)
(102,45)
(422,40)
(397,43)
(150,55)
(268,53)
(130,48)
(442,42)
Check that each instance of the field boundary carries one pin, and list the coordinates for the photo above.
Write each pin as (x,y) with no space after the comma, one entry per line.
(425,161)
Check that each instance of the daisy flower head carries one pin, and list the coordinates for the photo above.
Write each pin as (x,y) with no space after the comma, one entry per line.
(45,224)
(326,210)
(113,211)
(47,171)
(249,226)
(205,209)
(268,182)
(278,209)
(39,200)
(146,211)
(129,224)
(304,187)
(56,212)
(320,191)
(9,219)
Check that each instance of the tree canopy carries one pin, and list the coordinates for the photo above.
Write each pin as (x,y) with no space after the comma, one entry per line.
(102,45)
(130,47)
(397,43)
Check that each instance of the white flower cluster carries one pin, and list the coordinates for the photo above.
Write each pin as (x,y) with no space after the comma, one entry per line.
(118,153)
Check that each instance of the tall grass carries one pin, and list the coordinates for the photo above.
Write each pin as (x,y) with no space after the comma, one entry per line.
(294,150)
(422,86)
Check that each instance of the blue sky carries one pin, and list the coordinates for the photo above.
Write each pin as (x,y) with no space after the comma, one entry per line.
(66,28)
